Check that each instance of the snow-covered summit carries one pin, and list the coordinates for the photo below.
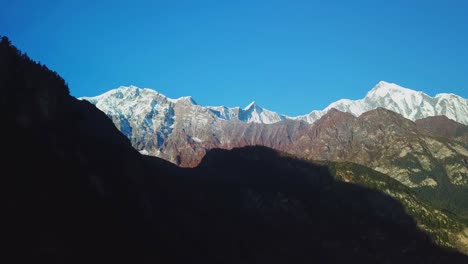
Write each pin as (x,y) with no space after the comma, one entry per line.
(251,105)
(409,103)
(384,88)
(185,99)
(256,114)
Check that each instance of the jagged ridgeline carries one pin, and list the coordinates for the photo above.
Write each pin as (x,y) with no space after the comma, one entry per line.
(76,191)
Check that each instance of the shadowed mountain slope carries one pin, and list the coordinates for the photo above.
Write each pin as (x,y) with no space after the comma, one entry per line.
(266,202)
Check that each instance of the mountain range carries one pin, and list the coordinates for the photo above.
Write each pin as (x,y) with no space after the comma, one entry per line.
(180,130)
(75,190)
(154,122)
(377,131)
(409,103)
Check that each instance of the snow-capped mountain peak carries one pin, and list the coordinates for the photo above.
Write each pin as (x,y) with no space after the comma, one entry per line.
(409,103)
(253,113)
(184,99)
(251,105)
(384,88)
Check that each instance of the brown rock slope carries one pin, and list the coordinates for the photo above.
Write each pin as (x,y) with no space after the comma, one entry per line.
(442,126)
(186,150)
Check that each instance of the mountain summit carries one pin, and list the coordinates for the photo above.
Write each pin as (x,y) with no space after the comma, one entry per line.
(411,104)
(251,105)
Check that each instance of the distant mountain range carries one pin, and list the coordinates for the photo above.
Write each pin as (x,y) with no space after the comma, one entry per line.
(411,104)
(164,127)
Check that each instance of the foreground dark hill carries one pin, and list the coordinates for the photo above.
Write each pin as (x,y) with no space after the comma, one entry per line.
(303,209)
(75,191)
(72,186)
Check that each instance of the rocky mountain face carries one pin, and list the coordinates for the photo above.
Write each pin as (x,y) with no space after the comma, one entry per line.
(387,142)
(74,190)
(180,130)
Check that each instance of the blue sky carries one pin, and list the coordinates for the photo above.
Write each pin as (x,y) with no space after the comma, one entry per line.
(289,56)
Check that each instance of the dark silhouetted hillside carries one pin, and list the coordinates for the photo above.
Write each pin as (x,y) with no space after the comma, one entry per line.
(71,183)
(255,205)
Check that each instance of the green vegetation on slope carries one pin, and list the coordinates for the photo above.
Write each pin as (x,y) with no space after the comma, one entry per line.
(444,227)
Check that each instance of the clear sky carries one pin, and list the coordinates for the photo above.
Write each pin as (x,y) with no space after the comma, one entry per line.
(289,56)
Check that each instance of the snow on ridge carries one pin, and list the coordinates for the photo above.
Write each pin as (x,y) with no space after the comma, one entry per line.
(447,95)
(411,104)
(383,88)
(131,100)
(127,90)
